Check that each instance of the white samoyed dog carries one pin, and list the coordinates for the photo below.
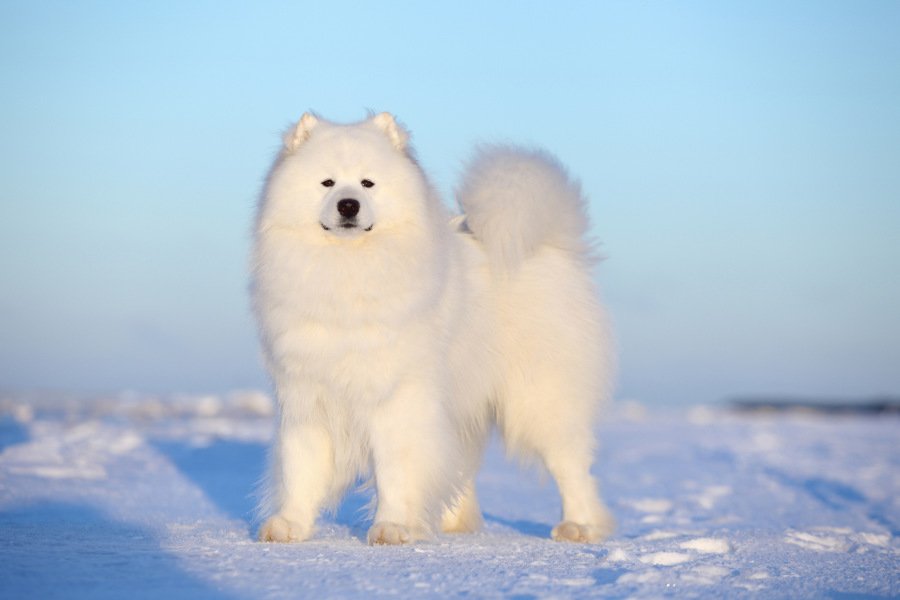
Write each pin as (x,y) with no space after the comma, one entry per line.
(397,336)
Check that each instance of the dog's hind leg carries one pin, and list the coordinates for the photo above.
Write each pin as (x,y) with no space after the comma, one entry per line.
(464,515)
(539,419)
(584,516)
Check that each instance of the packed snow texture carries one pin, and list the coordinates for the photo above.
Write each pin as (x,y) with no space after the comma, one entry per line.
(132,496)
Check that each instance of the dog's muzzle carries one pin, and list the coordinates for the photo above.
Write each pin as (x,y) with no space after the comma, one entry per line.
(349,213)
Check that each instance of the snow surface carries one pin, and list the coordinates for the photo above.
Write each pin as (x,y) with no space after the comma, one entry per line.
(133,496)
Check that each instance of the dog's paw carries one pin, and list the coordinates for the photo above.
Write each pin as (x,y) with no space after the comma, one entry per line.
(387,533)
(569,531)
(279,529)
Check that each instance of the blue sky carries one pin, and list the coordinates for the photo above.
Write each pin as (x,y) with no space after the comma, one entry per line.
(741,160)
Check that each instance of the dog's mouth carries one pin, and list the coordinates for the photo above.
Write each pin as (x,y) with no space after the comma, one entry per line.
(347,226)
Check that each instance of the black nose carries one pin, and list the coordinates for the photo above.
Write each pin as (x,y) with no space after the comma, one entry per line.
(348,207)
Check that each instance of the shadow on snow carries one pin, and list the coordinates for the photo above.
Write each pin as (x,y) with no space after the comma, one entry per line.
(229,473)
(62,550)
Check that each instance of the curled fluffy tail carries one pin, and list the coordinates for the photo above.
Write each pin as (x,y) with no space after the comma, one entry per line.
(516,200)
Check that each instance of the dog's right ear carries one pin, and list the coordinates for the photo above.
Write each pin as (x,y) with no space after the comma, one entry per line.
(299,133)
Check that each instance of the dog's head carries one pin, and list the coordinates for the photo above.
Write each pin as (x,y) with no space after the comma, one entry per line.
(342,182)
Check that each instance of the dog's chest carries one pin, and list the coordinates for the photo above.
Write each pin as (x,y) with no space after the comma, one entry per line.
(362,360)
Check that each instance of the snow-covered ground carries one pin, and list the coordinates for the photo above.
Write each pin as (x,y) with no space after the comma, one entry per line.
(130,496)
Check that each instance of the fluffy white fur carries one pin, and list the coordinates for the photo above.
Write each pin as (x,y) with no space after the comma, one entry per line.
(397,337)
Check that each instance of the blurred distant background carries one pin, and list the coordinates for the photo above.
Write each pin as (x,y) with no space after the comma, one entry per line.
(742,160)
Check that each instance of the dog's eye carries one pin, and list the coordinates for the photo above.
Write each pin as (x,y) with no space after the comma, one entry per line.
(367,183)
(328,182)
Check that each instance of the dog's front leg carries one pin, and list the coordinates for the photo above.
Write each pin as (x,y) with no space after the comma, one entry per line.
(302,473)
(410,454)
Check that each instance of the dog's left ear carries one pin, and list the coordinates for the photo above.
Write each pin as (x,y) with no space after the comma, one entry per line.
(398,136)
